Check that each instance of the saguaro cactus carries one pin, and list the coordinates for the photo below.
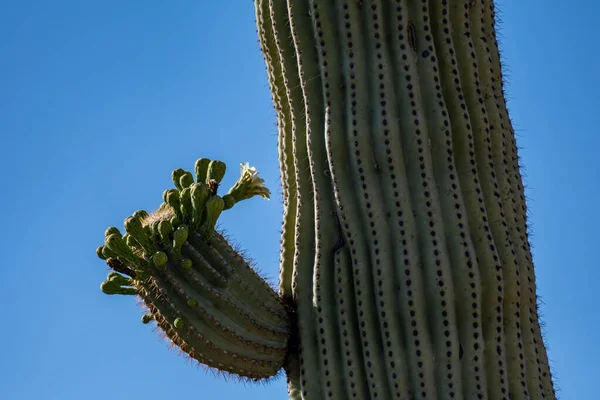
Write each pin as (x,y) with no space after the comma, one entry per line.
(406,271)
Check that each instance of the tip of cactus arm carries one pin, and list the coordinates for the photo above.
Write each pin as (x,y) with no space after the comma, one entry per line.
(175,258)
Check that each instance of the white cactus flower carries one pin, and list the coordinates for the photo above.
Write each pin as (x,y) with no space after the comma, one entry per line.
(249,184)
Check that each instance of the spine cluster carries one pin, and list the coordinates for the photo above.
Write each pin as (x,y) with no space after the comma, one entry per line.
(404,243)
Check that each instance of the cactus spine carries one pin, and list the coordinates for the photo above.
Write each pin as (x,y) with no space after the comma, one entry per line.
(406,271)
(404,244)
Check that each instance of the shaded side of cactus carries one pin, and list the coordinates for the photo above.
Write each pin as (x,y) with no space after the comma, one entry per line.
(404,242)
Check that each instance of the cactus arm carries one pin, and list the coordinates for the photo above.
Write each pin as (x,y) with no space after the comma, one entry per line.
(252,282)
(201,292)
(203,267)
(192,336)
(230,302)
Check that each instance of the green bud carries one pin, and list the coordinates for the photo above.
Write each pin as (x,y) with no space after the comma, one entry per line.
(148,228)
(99,252)
(179,237)
(178,323)
(186,263)
(201,169)
(112,231)
(112,275)
(199,195)
(186,204)
(228,201)
(107,253)
(176,176)
(214,207)
(172,199)
(216,171)
(140,214)
(186,180)
(192,303)
(131,242)
(154,231)
(136,230)
(164,229)
(147,318)
(159,259)
(119,279)
(110,287)
(116,244)
(134,226)
(164,195)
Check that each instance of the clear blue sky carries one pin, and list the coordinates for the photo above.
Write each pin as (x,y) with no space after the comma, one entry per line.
(99,101)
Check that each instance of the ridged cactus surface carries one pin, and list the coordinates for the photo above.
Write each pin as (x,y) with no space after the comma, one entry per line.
(404,239)
(198,289)
(406,271)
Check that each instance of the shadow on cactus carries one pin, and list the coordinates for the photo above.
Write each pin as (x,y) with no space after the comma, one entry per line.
(198,289)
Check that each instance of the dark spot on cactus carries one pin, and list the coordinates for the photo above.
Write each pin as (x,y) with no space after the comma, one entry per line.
(118,266)
(213,185)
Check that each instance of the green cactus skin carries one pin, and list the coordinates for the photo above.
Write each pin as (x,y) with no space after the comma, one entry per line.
(197,288)
(216,171)
(201,169)
(199,195)
(406,271)
(214,175)
(393,126)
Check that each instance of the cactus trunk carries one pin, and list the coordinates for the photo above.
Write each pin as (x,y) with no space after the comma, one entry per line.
(404,246)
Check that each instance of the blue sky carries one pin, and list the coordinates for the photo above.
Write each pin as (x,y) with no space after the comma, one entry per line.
(99,101)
